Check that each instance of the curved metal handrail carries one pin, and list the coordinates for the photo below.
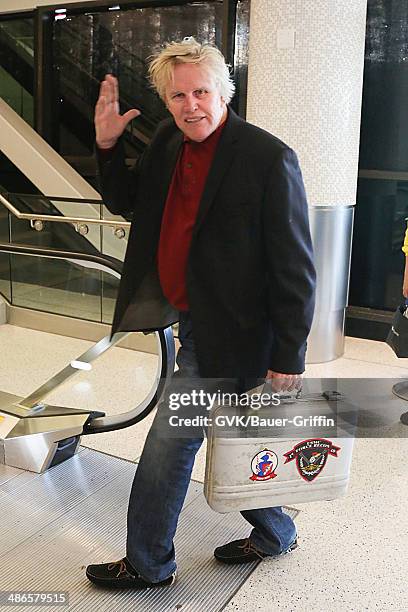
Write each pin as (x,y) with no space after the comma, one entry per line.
(62,219)
(164,337)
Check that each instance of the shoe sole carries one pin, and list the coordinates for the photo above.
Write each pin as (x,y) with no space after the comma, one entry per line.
(232,561)
(125,584)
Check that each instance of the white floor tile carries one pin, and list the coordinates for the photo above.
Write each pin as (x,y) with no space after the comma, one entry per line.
(373,352)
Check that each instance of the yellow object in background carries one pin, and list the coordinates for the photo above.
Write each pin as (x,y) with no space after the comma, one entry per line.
(405,245)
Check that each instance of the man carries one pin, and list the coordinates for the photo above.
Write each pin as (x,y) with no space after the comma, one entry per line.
(219,242)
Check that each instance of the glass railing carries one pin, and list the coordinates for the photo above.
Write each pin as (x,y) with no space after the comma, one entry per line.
(135,88)
(5,274)
(156,372)
(60,287)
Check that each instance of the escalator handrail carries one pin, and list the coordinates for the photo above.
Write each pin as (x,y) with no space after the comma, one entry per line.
(61,219)
(166,352)
(34,196)
(112,264)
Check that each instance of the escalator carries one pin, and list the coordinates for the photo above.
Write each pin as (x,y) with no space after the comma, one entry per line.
(17,52)
(33,434)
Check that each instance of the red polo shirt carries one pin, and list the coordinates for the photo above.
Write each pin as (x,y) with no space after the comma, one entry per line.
(180,213)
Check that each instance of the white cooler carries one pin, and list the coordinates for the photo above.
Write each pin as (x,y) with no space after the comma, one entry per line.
(245,472)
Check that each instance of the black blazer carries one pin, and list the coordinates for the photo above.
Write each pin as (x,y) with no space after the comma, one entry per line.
(250,274)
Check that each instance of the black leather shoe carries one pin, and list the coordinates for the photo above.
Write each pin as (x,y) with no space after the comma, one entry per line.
(121,575)
(243,551)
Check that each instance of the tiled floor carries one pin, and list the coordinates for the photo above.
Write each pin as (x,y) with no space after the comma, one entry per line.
(353,552)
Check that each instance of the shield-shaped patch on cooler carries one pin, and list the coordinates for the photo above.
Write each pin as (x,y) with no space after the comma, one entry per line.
(311,456)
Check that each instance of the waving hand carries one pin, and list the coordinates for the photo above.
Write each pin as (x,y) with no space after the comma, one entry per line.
(109,123)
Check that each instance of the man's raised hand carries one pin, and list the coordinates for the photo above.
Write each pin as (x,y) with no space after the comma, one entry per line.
(109,124)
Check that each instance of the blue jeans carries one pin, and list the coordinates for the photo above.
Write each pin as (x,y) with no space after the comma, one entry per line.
(161,482)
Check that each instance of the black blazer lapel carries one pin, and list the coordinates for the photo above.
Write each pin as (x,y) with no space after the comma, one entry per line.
(223,158)
(169,160)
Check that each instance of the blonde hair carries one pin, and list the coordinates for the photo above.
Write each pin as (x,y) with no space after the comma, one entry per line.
(189,51)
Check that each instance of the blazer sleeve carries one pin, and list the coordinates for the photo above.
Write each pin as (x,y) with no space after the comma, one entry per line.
(118,183)
(289,260)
